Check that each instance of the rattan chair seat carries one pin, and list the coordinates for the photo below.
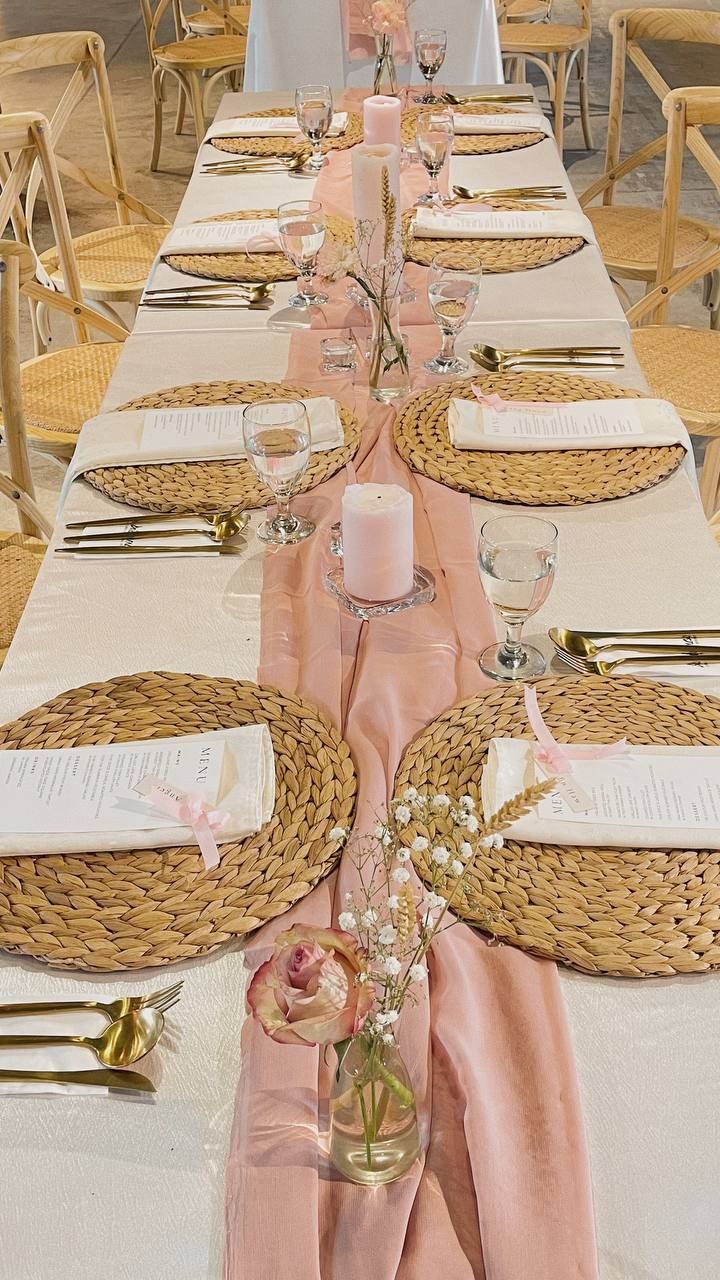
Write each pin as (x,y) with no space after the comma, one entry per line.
(205,52)
(629,239)
(62,389)
(205,23)
(527,11)
(114,263)
(20,559)
(541,37)
(682,365)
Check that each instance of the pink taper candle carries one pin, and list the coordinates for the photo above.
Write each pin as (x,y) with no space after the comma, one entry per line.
(377,535)
(381,120)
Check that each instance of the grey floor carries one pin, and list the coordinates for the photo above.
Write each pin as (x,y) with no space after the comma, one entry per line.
(121,28)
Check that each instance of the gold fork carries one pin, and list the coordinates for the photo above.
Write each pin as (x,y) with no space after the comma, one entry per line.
(113,1009)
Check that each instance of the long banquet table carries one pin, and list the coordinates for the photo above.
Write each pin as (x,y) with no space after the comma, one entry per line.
(126,1191)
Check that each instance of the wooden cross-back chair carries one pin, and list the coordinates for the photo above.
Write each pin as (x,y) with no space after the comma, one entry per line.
(113,263)
(682,364)
(20,553)
(630,237)
(205,22)
(195,64)
(61,389)
(556,48)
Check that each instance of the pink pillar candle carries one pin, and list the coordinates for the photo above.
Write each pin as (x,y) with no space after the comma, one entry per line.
(368,163)
(377,535)
(381,120)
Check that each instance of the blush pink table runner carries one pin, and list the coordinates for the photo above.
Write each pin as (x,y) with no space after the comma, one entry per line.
(503,1190)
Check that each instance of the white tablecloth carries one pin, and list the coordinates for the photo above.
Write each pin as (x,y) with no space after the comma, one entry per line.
(290,43)
(129,1192)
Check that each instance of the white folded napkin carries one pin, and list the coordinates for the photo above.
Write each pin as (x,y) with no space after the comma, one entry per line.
(650,797)
(583,424)
(233,236)
(269,127)
(520,122)
(245,790)
(502,224)
(80,1022)
(144,437)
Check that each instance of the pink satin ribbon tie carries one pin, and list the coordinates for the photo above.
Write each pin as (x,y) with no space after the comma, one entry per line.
(190,810)
(256,244)
(496,402)
(558,757)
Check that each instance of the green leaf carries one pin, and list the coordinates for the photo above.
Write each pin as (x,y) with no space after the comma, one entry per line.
(341,1049)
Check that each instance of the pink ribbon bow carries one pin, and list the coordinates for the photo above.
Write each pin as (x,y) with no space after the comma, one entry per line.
(190,810)
(558,758)
(496,402)
(256,243)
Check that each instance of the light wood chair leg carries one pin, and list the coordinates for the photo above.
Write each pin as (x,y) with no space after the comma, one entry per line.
(10,388)
(559,101)
(582,71)
(711,297)
(180,111)
(710,478)
(157,88)
(196,104)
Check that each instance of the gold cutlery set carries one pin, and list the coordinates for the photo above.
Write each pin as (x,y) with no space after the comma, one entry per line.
(259,164)
(244,294)
(456,101)
(590,358)
(135,1024)
(470,194)
(143,535)
(601,653)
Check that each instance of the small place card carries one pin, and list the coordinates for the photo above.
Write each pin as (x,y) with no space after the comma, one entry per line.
(88,789)
(643,791)
(213,237)
(584,420)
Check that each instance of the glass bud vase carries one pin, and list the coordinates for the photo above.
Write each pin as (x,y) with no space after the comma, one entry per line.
(385,74)
(374,1134)
(388,359)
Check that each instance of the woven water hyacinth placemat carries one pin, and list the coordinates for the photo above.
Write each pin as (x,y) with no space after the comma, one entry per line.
(626,912)
(177,487)
(112,911)
(567,477)
(264,268)
(495,256)
(473,144)
(290,146)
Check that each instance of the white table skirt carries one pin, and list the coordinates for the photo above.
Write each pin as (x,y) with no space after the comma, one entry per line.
(82,1178)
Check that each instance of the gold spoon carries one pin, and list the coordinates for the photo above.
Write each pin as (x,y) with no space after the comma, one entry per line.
(257,164)
(236,516)
(220,531)
(123,1042)
(487,97)
(590,644)
(511,193)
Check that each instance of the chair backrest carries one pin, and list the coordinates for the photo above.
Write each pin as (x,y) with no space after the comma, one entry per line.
(685,111)
(84,51)
(16,263)
(153,12)
(629,27)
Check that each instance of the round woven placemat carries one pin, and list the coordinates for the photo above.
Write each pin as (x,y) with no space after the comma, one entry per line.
(628,912)
(474,144)
(263,267)
(177,487)
(494,256)
(129,910)
(537,478)
(290,146)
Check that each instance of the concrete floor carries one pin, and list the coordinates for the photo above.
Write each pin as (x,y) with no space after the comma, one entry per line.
(121,28)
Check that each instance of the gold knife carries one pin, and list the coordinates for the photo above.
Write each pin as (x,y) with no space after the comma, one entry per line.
(105,1078)
(209,549)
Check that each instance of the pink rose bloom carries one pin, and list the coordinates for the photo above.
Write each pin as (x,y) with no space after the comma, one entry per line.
(309,991)
(387,16)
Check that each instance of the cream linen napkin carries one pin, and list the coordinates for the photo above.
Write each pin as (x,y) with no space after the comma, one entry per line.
(528,122)
(246,792)
(511,767)
(137,437)
(502,224)
(76,1022)
(232,236)
(584,424)
(269,127)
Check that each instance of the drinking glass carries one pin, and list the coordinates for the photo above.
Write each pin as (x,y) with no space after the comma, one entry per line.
(301,224)
(434,133)
(277,441)
(430,48)
(452,294)
(517,557)
(314,112)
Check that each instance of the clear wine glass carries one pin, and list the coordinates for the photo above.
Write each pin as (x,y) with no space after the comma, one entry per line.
(517,557)
(434,133)
(314,112)
(452,294)
(277,441)
(430,49)
(301,225)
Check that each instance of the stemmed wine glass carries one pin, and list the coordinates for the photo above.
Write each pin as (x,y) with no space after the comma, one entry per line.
(452,294)
(301,225)
(434,133)
(430,49)
(517,557)
(314,112)
(277,441)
